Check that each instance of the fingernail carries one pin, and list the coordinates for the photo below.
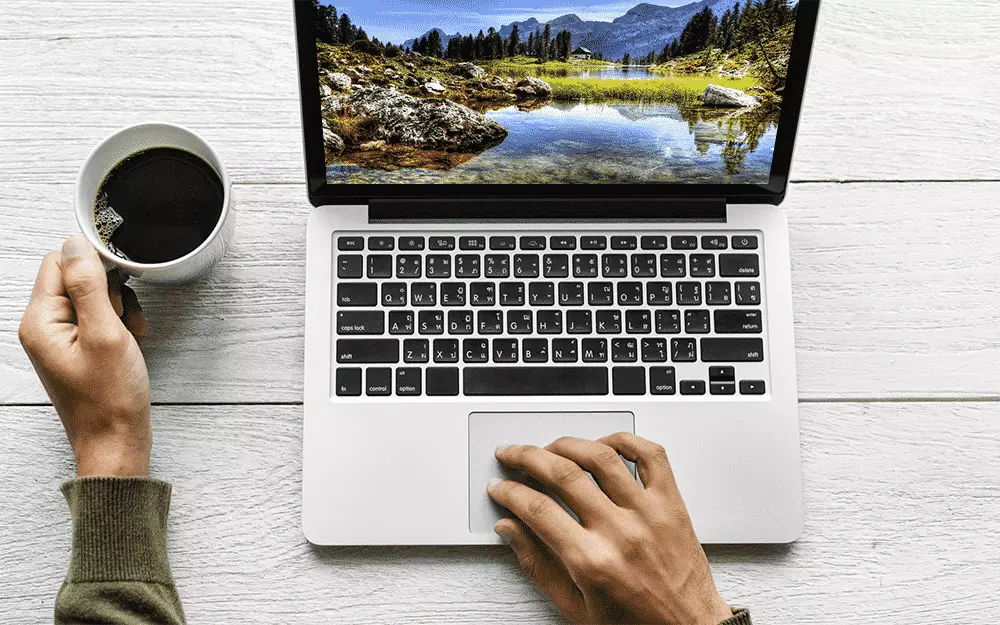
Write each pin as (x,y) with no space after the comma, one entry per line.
(492,483)
(502,448)
(75,247)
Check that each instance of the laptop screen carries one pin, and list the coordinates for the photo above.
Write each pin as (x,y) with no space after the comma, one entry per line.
(552,91)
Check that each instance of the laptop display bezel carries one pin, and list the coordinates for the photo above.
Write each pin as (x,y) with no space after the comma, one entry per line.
(321,193)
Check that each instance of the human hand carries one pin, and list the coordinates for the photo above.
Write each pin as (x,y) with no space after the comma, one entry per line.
(89,361)
(632,558)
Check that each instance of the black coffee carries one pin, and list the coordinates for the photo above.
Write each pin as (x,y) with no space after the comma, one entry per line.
(158,205)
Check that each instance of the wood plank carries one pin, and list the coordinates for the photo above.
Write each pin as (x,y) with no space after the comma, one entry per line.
(899,90)
(894,289)
(901,527)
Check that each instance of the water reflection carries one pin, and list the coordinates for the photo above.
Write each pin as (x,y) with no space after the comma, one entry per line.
(603,72)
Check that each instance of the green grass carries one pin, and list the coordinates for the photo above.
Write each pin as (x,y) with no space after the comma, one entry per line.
(677,89)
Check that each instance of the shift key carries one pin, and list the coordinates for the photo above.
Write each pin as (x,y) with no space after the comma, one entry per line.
(357,294)
(732,350)
(367,351)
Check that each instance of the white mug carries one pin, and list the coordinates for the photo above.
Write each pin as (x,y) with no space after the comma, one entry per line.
(114,150)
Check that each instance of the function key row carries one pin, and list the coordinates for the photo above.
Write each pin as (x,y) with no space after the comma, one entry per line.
(555,242)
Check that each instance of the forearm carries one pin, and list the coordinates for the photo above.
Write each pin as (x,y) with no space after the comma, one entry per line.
(118,570)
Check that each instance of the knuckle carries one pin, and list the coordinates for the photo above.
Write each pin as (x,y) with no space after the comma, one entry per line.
(539,507)
(27,333)
(566,473)
(105,339)
(607,457)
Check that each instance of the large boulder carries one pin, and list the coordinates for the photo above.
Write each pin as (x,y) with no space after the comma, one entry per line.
(340,82)
(728,98)
(469,70)
(533,88)
(334,144)
(424,123)
(434,87)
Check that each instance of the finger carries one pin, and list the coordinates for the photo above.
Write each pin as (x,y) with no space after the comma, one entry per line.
(115,293)
(650,460)
(543,568)
(135,321)
(87,286)
(563,476)
(542,514)
(604,463)
(49,303)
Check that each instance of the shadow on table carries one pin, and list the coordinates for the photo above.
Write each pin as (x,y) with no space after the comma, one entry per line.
(739,554)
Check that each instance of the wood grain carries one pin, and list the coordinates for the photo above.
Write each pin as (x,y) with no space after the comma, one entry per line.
(901,508)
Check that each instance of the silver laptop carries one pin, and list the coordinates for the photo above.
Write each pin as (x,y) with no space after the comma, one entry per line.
(532,224)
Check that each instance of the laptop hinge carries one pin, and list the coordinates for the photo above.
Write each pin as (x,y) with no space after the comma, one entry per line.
(547,209)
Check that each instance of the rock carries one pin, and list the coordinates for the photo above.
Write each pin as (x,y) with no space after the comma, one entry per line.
(757,89)
(368,146)
(334,144)
(409,65)
(325,91)
(532,87)
(500,83)
(391,73)
(353,73)
(340,82)
(411,81)
(364,69)
(469,70)
(729,98)
(424,123)
(434,87)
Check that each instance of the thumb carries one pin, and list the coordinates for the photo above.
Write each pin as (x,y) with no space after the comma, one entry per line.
(87,285)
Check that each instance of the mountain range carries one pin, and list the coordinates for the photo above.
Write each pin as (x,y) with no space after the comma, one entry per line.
(644,28)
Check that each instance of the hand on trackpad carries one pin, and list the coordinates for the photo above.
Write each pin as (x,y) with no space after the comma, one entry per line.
(488,430)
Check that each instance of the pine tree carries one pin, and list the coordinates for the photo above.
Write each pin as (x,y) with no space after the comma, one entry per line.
(531,44)
(627,60)
(547,43)
(514,43)
(347,30)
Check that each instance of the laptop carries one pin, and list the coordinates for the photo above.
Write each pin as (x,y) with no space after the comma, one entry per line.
(532,222)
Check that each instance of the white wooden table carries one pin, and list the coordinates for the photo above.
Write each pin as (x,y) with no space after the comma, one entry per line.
(895,226)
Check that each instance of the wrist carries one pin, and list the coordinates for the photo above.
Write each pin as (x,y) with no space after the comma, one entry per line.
(111,457)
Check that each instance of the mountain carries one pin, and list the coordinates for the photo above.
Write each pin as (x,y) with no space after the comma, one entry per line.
(445,38)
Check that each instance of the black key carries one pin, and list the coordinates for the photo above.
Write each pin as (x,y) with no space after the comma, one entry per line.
(555,266)
(532,243)
(476,350)
(692,387)
(505,350)
(718,294)
(467,265)
(659,293)
(445,244)
(714,242)
(584,265)
(483,294)
(609,322)
(601,293)
(526,265)
(416,351)
(654,350)
(571,294)
(350,266)
(364,351)
(689,293)
(381,244)
(683,350)
(472,243)
(460,322)
(438,266)
(579,322)
(512,294)
(748,293)
(624,350)
(662,381)
(593,242)
(624,243)
(562,243)
(614,265)
(595,350)
(519,322)
(423,294)
(738,322)
(499,244)
(702,265)
(732,350)
(673,266)
(445,350)
(357,294)
(351,244)
(408,381)
(752,387)
(379,266)
(629,380)
(442,381)
(348,382)
(490,322)
(653,243)
(743,242)
(722,380)
(393,294)
(668,322)
(401,321)
(411,244)
(430,322)
(378,381)
(565,350)
(541,294)
(739,265)
(408,265)
(496,266)
(360,322)
(535,381)
(643,265)
(453,294)
(549,321)
(638,322)
(630,293)
(535,350)
(684,243)
(696,322)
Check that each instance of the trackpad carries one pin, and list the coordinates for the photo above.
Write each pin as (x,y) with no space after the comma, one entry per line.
(488,430)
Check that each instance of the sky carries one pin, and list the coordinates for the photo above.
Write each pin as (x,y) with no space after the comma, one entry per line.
(399,20)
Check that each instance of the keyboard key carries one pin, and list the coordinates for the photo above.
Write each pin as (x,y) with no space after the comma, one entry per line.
(738,322)
(601,293)
(714,243)
(595,350)
(348,382)
(505,350)
(555,266)
(408,265)
(579,322)
(476,350)
(692,387)
(662,381)
(571,294)
(683,350)
(624,243)
(584,265)
(408,381)
(732,350)
(356,294)
(629,380)
(593,242)
(430,322)
(496,266)
(500,244)
(659,294)
(718,294)
(416,351)
(654,350)
(453,294)
(562,243)
(423,294)
(490,321)
(519,322)
(702,265)
(360,322)
(351,244)
(512,294)
(684,243)
(689,293)
(411,244)
(752,387)
(748,293)
(472,243)
(378,381)
(439,266)
(541,294)
(739,265)
(549,321)
(624,350)
(630,293)
(638,322)
(350,266)
(393,294)
(445,244)
(673,266)
(565,351)
(643,265)
(460,322)
(401,321)
(654,243)
(532,243)
(483,293)
(741,242)
(367,351)
(614,266)
(535,350)
(442,381)
(535,381)
(696,322)
(668,322)
(526,265)
(609,322)
(379,266)
(467,266)
(445,350)
(722,380)
(381,244)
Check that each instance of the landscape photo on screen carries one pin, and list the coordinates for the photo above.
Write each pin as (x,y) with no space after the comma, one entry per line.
(552,91)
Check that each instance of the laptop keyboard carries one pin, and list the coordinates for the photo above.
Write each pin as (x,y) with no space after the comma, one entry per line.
(428,315)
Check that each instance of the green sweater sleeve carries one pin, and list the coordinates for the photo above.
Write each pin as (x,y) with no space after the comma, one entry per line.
(118,571)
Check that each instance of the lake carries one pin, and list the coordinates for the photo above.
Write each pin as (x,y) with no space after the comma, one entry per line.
(605,72)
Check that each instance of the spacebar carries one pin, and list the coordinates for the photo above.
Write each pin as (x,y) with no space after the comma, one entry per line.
(536,381)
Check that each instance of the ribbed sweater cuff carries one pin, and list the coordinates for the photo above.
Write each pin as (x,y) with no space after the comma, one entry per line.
(119,529)
(740,617)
